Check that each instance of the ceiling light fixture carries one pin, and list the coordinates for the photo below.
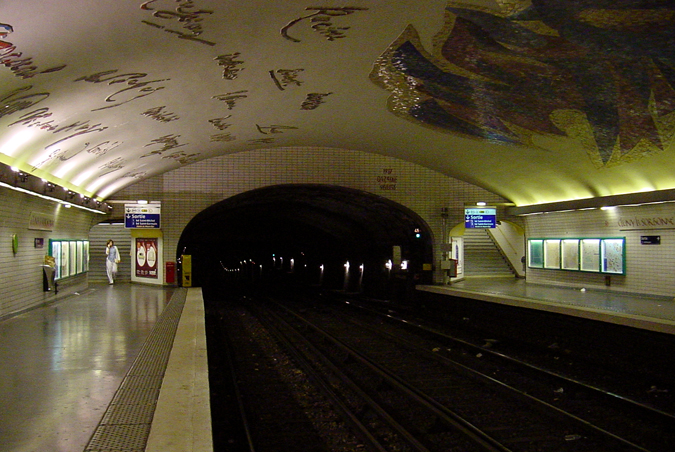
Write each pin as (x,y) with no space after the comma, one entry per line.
(15,179)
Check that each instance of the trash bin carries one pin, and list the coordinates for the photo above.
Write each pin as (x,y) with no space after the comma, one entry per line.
(48,282)
(170,272)
(450,265)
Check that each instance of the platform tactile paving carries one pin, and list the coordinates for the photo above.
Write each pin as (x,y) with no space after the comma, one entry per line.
(125,426)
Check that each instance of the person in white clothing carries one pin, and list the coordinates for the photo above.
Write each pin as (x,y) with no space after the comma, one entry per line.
(111,261)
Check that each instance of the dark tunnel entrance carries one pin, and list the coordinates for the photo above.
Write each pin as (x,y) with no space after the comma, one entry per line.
(321,235)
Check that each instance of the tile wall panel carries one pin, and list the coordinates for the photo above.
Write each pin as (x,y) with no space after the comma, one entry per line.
(21,282)
(650,269)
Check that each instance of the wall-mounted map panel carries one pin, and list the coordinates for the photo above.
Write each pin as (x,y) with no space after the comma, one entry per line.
(590,255)
(569,254)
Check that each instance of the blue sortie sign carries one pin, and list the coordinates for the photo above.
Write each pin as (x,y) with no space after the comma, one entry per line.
(480,218)
(142,220)
(142,216)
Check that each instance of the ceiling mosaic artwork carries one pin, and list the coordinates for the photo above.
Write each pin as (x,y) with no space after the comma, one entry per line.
(538,101)
(554,67)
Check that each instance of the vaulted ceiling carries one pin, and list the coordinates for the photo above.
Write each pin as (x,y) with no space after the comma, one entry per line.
(536,100)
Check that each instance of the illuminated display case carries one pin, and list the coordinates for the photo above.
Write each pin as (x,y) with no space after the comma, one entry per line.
(535,253)
(71,257)
(597,255)
(590,255)
(569,254)
(612,256)
(552,253)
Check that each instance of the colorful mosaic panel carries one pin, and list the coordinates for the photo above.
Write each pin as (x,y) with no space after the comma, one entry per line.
(602,73)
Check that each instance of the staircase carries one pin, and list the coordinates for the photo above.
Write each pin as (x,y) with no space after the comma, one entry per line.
(482,257)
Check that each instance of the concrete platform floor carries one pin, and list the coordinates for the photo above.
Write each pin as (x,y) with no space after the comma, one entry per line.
(654,313)
(60,365)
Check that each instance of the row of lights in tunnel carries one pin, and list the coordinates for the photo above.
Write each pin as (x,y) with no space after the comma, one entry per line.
(347,265)
(15,179)
(346,276)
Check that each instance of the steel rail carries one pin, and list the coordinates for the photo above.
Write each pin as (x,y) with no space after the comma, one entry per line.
(284,337)
(586,424)
(443,413)
(647,409)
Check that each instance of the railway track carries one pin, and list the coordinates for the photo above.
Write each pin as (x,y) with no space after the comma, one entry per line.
(261,400)
(388,387)
(627,405)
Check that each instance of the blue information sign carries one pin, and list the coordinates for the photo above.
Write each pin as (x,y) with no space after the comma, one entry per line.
(142,220)
(142,216)
(480,217)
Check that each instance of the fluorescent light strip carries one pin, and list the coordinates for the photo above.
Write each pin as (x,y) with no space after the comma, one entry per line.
(60,201)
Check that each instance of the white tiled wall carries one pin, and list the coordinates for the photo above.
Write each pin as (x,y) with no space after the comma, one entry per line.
(650,269)
(189,190)
(21,273)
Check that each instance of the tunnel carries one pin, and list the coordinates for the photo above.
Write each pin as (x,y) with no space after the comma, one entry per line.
(322,235)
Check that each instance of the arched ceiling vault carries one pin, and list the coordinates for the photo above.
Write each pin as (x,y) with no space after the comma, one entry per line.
(538,101)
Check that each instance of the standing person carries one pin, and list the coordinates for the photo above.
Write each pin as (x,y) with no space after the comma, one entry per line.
(111,261)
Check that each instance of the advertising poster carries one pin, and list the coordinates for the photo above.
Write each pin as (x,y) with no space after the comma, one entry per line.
(146,258)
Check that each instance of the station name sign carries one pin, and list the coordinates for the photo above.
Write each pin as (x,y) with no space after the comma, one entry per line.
(627,223)
(142,216)
(480,217)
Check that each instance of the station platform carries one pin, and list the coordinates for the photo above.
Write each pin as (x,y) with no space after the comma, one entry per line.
(116,367)
(124,367)
(652,313)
